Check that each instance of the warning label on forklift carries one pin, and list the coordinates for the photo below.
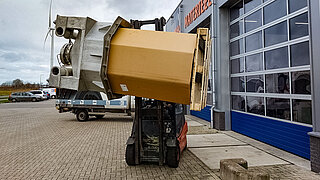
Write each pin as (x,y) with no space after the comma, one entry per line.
(124,87)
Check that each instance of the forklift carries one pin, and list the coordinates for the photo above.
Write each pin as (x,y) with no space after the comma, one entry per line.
(159,128)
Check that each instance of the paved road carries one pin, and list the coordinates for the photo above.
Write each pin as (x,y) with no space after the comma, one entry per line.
(39,143)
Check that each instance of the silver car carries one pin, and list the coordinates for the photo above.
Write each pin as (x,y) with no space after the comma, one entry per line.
(23,96)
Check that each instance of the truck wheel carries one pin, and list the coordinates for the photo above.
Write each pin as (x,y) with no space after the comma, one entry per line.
(130,155)
(128,112)
(173,157)
(99,116)
(82,115)
(53,97)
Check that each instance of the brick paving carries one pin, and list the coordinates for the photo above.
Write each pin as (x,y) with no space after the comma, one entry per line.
(36,142)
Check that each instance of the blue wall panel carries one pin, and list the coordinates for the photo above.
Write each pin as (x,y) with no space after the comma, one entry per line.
(287,136)
(203,114)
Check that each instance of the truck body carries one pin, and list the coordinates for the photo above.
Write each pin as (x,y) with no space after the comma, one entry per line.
(94,106)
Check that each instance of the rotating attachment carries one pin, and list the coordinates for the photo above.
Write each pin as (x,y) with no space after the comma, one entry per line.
(65,53)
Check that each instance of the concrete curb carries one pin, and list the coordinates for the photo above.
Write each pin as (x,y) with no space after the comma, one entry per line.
(237,169)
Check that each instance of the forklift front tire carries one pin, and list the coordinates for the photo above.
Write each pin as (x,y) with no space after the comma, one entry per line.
(82,115)
(173,156)
(130,155)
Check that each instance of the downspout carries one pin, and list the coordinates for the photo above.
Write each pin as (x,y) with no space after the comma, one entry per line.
(181,17)
(214,30)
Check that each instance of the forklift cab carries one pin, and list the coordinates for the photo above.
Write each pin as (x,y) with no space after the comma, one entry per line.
(159,133)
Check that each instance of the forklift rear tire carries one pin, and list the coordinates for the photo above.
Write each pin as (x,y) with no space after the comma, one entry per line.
(82,115)
(173,157)
(130,155)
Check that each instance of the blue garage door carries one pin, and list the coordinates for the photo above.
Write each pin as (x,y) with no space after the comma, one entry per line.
(204,114)
(287,136)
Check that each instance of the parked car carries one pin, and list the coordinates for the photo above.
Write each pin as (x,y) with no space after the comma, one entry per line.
(23,96)
(40,93)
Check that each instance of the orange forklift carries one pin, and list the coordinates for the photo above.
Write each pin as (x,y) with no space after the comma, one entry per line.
(159,132)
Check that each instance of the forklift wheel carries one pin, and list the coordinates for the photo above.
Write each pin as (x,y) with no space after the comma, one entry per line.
(82,115)
(173,156)
(130,155)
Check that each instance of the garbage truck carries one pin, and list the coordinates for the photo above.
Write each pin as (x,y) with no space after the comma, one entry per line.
(163,70)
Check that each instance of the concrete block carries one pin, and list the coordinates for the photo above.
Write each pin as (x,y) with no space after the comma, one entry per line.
(237,169)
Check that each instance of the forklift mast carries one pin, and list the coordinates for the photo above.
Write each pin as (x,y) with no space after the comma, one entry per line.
(147,142)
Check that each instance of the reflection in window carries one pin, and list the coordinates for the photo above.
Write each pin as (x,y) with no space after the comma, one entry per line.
(254,63)
(236,11)
(237,84)
(301,82)
(237,65)
(255,105)
(236,29)
(253,21)
(302,111)
(275,10)
(251,4)
(276,34)
(236,47)
(295,5)
(254,41)
(277,58)
(299,26)
(278,108)
(238,103)
(277,83)
(300,54)
(255,84)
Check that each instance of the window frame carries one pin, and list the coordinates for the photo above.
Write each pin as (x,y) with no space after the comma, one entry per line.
(262,50)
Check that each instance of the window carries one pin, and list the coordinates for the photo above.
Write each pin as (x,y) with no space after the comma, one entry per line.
(302,111)
(238,103)
(277,58)
(236,11)
(275,10)
(236,29)
(253,21)
(278,83)
(278,108)
(271,51)
(254,63)
(300,54)
(299,26)
(255,105)
(237,84)
(276,34)
(236,47)
(254,41)
(295,5)
(237,66)
(301,82)
(255,84)
(251,4)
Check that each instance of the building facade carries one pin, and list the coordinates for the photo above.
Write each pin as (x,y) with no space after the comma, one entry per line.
(262,78)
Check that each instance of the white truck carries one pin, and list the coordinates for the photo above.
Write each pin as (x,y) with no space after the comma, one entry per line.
(91,103)
(51,91)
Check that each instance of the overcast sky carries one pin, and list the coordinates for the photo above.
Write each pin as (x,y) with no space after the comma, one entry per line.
(24,24)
